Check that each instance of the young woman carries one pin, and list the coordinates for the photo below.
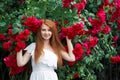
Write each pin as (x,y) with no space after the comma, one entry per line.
(47,53)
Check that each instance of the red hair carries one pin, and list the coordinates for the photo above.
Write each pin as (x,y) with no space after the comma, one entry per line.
(54,42)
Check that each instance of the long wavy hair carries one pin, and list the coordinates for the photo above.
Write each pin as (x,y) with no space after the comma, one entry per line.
(54,42)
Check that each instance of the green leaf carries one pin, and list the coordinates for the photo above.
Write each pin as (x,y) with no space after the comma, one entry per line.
(15,30)
(99,2)
(107,8)
(1,5)
(2,24)
(107,56)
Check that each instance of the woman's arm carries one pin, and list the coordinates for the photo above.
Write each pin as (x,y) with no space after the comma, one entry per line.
(22,59)
(68,56)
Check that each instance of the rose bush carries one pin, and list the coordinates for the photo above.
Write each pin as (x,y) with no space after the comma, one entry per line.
(93,26)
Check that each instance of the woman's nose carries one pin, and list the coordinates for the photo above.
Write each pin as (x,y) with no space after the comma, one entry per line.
(47,31)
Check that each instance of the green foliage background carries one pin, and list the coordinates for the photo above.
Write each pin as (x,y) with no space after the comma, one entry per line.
(11,12)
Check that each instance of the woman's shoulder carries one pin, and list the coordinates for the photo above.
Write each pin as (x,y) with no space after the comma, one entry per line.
(31,45)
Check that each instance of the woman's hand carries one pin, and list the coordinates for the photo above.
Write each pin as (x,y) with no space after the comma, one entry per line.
(69,56)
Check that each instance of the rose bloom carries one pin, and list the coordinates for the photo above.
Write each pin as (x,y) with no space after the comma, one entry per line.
(115,38)
(2,37)
(23,35)
(9,26)
(88,48)
(7,45)
(78,51)
(10,32)
(71,63)
(106,2)
(106,30)
(94,23)
(20,45)
(66,3)
(93,41)
(33,23)
(71,33)
(115,59)
(61,36)
(79,6)
(73,30)
(11,62)
(64,31)
(101,14)
(76,75)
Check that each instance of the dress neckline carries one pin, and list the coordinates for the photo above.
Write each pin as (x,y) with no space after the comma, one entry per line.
(48,50)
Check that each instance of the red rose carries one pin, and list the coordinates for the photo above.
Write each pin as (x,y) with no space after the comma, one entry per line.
(78,51)
(9,26)
(23,35)
(106,30)
(10,32)
(71,63)
(93,41)
(11,62)
(115,38)
(66,3)
(33,23)
(73,30)
(2,37)
(106,2)
(76,75)
(64,31)
(115,59)
(7,45)
(101,15)
(20,45)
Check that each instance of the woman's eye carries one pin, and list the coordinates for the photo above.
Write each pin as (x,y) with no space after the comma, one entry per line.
(46,30)
(43,29)
(49,30)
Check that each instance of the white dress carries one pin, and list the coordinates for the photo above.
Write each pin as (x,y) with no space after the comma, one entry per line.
(44,69)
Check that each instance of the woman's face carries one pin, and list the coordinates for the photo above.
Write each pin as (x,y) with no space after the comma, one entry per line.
(46,32)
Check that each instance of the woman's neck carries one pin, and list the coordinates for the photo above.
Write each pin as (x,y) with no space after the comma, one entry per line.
(47,44)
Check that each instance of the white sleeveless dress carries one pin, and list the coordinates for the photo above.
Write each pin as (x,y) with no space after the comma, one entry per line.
(44,69)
